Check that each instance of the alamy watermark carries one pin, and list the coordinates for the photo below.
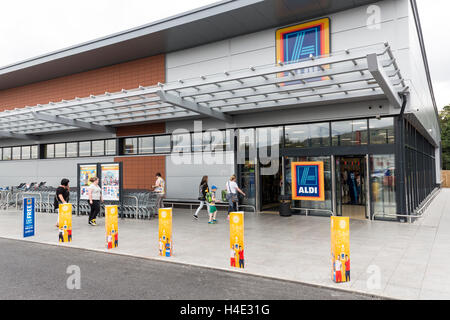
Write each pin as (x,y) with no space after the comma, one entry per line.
(74,280)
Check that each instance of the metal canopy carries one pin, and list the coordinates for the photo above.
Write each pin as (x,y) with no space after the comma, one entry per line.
(352,75)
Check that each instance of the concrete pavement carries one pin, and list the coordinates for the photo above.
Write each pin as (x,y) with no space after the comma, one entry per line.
(397,260)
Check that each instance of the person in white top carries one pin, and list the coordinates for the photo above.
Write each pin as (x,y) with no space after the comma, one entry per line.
(95,196)
(232,196)
(159,188)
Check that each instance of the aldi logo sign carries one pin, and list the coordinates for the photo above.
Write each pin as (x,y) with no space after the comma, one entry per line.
(300,41)
(308,181)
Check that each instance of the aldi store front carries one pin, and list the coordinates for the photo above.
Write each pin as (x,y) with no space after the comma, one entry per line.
(302,86)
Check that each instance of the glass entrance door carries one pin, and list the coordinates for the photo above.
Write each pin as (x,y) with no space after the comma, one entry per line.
(351,195)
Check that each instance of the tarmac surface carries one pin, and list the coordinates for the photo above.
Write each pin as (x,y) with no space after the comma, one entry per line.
(37,271)
(388,259)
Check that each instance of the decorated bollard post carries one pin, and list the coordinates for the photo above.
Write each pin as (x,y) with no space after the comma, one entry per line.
(340,249)
(65,222)
(237,239)
(112,226)
(165,232)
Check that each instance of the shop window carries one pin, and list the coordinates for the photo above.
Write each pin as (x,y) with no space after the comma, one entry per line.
(26,153)
(110,147)
(312,135)
(98,148)
(16,153)
(381,131)
(130,146)
(1,154)
(162,144)
(72,149)
(201,141)
(181,143)
(349,132)
(6,153)
(382,178)
(60,150)
(49,151)
(34,152)
(145,145)
(85,149)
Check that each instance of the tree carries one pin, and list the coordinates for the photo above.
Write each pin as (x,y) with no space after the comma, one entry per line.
(444,117)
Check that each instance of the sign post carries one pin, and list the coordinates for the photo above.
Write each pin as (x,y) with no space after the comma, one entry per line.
(65,222)
(237,239)
(29,217)
(340,249)
(112,226)
(165,232)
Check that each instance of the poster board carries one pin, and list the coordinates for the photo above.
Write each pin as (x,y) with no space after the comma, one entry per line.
(85,172)
(110,181)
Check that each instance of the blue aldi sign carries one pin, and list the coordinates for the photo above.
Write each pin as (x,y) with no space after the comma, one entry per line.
(307,181)
(29,217)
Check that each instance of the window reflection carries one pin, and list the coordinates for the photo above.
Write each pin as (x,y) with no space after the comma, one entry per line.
(145,145)
(313,135)
(349,133)
(162,144)
(130,146)
(381,130)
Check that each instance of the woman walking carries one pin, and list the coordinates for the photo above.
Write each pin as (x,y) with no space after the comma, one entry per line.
(159,188)
(232,196)
(95,196)
(202,190)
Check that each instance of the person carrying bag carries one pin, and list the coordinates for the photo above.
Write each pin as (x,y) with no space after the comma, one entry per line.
(232,195)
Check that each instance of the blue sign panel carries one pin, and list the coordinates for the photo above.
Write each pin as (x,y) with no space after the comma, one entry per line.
(28,217)
(307,181)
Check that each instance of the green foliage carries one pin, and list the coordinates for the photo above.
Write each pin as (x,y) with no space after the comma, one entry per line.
(444,117)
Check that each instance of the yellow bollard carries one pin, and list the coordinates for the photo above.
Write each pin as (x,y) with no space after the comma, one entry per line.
(340,249)
(237,239)
(165,232)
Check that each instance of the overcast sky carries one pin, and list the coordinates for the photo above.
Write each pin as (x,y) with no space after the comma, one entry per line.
(29,28)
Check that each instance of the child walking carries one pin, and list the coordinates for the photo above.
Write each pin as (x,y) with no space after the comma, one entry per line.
(211,199)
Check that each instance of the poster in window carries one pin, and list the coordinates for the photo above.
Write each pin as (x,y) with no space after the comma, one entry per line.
(110,182)
(86,172)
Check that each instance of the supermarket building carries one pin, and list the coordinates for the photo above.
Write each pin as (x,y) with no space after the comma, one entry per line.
(244,87)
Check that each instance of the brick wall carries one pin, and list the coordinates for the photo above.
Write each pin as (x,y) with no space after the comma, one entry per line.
(129,75)
(139,172)
(137,130)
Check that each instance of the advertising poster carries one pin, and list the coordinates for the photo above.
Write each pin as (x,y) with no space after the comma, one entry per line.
(86,172)
(165,232)
(65,222)
(237,239)
(307,181)
(340,249)
(28,217)
(110,182)
(112,226)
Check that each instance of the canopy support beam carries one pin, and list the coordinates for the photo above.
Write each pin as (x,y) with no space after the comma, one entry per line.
(7,134)
(383,80)
(192,106)
(71,122)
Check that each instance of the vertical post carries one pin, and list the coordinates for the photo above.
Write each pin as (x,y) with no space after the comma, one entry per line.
(237,239)
(333,184)
(165,232)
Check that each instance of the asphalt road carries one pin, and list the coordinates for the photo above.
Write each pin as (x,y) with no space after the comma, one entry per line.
(37,271)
